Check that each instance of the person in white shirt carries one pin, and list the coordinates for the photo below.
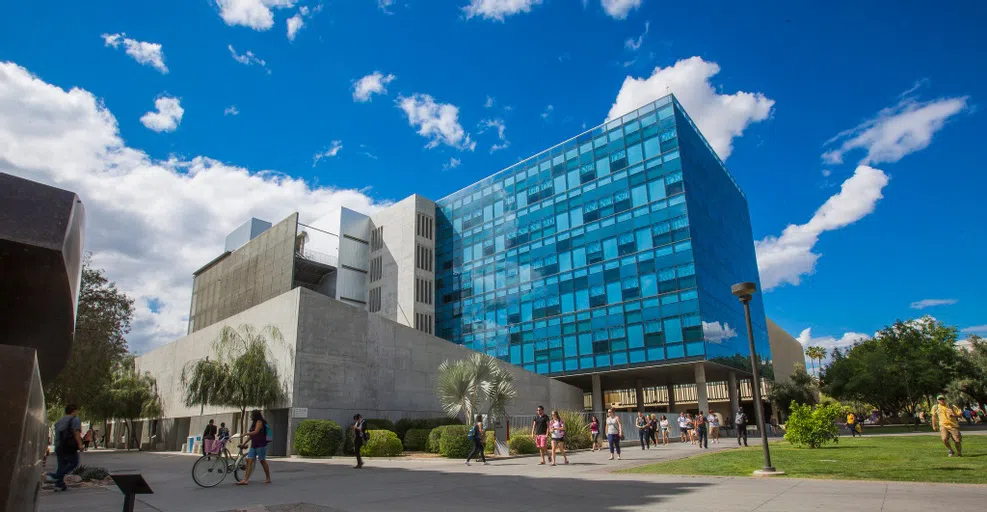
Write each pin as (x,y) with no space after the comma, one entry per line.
(714,427)
(683,427)
(664,429)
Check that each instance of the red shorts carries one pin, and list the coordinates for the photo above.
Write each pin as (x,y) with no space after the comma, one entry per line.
(541,441)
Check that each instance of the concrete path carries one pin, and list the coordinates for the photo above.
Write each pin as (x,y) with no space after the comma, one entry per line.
(514,485)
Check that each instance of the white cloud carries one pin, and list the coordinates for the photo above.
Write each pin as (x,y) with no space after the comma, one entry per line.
(501,128)
(619,9)
(438,122)
(148,54)
(548,111)
(715,332)
(928,303)
(720,117)
(296,22)
(829,342)
(489,103)
(374,83)
(167,117)
(256,14)
(329,153)
(498,9)
(248,58)
(150,223)
(786,258)
(896,131)
(634,44)
(827,173)
(975,328)
(231,111)
(453,163)
(385,5)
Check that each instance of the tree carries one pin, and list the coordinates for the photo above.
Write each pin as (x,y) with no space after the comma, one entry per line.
(242,374)
(134,395)
(800,388)
(970,385)
(102,321)
(816,354)
(464,386)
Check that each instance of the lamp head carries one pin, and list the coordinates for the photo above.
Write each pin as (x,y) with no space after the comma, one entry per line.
(743,291)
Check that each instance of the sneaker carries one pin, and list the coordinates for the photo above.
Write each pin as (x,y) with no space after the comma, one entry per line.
(62,488)
(950,454)
(485,463)
(467,463)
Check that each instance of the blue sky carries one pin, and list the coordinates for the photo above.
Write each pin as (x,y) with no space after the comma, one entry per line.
(456,79)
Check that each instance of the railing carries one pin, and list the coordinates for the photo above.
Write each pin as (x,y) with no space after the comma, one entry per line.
(317,257)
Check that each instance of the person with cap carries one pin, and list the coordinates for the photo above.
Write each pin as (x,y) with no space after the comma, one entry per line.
(945,418)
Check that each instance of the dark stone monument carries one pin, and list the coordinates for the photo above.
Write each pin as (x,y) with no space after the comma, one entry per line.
(41,240)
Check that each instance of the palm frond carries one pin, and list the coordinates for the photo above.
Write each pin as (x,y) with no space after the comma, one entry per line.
(454,385)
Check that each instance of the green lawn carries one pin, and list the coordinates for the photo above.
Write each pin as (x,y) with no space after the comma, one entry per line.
(908,458)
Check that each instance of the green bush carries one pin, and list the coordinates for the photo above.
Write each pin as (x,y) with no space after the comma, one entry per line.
(317,438)
(405,424)
(435,437)
(454,443)
(382,443)
(577,434)
(489,442)
(522,444)
(88,473)
(379,424)
(813,427)
(416,439)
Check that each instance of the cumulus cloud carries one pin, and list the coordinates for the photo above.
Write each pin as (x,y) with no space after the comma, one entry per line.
(148,54)
(231,111)
(633,44)
(385,5)
(374,83)
(715,332)
(248,58)
(150,223)
(720,117)
(452,164)
(929,303)
(329,153)
(438,122)
(786,258)
(829,342)
(619,9)
(166,117)
(296,22)
(489,103)
(895,131)
(501,128)
(498,9)
(256,14)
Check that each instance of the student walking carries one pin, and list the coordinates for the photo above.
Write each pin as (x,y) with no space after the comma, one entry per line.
(683,427)
(68,444)
(615,432)
(945,419)
(690,426)
(209,438)
(714,427)
(539,432)
(224,433)
(851,423)
(664,429)
(86,439)
(740,421)
(702,432)
(653,429)
(258,435)
(558,437)
(594,431)
(360,435)
(477,435)
(642,430)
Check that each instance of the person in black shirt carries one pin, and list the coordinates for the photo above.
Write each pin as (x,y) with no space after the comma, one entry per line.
(539,431)
(358,438)
(209,437)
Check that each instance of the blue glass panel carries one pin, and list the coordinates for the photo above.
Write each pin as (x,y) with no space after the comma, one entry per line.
(656,354)
(637,356)
(695,349)
(675,351)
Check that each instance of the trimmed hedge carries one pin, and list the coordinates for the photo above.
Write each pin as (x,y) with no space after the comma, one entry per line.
(416,439)
(379,424)
(522,444)
(434,436)
(403,425)
(489,442)
(453,443)
(382,443)
(317,438)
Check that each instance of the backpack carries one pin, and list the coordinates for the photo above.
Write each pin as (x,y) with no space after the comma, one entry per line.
(741,419)
(365,431)
(472,432)
(66,440)
(268,432)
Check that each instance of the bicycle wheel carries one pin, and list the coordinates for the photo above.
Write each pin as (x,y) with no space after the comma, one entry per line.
(210,470)
(240,467)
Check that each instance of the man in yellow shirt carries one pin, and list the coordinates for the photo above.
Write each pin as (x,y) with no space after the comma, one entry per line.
(851,423)
(945,418)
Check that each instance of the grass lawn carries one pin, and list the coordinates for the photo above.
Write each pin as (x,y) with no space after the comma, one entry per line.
(906,458)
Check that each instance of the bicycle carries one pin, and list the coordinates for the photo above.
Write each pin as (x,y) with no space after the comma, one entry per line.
(211,469)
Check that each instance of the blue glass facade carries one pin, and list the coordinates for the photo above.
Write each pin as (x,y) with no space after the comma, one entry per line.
(614,249)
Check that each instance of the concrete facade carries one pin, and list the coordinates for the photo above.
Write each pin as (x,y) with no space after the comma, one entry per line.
(786,351)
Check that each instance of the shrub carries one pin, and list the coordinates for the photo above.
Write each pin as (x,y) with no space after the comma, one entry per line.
(489,442)
(317,438)
(522,444)
(808,427)
(379,424)
(91,473)
(416,439)
(577,434)
(382,443)
(434,436)
(405,424)
(453,443)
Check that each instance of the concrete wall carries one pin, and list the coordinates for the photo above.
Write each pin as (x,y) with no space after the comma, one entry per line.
(786,351)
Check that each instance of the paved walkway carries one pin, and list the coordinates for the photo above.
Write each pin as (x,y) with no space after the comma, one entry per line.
(516,484)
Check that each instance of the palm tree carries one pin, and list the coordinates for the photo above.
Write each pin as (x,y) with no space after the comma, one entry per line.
(816,354)
(463,387)
(242,374)
(811,352)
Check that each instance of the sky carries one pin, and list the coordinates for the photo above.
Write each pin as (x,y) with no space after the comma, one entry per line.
(851,127)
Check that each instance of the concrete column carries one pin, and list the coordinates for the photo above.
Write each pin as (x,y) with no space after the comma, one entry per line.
(597,395)
(702,394)
(671,398)
(734,393)
(640,395)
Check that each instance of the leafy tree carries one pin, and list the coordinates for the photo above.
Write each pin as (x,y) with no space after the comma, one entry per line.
(134,395)
(813,427)
(464,386)
(242,374)
(799,388)
(865,373)
(103,320)
(970,385)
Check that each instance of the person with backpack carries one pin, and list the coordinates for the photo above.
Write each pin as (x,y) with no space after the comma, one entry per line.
(260,436)
(68,444)
(360,436)
(476,434)
(740,421)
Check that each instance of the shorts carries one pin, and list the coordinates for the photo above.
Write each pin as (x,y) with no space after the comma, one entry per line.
(596,435)
(257,453)
(541,441)
(558,439)
(950,432)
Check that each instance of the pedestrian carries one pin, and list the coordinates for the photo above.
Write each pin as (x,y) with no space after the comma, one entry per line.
(209,438)
(683,427)
(539,431)
(851,423)
(968,415)
(664,429)
(258,435)
(642,430)
(360,435)
(690,427)
(945,419)
(653,429)
(615,432)
(87,439)
(740,421)
(224,433)
(95,439)
(702,432)
(594,431)
(476,434)
(558,437)
(68,443)
(714,426)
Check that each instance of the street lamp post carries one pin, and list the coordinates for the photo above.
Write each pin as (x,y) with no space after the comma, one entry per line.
(744,292)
